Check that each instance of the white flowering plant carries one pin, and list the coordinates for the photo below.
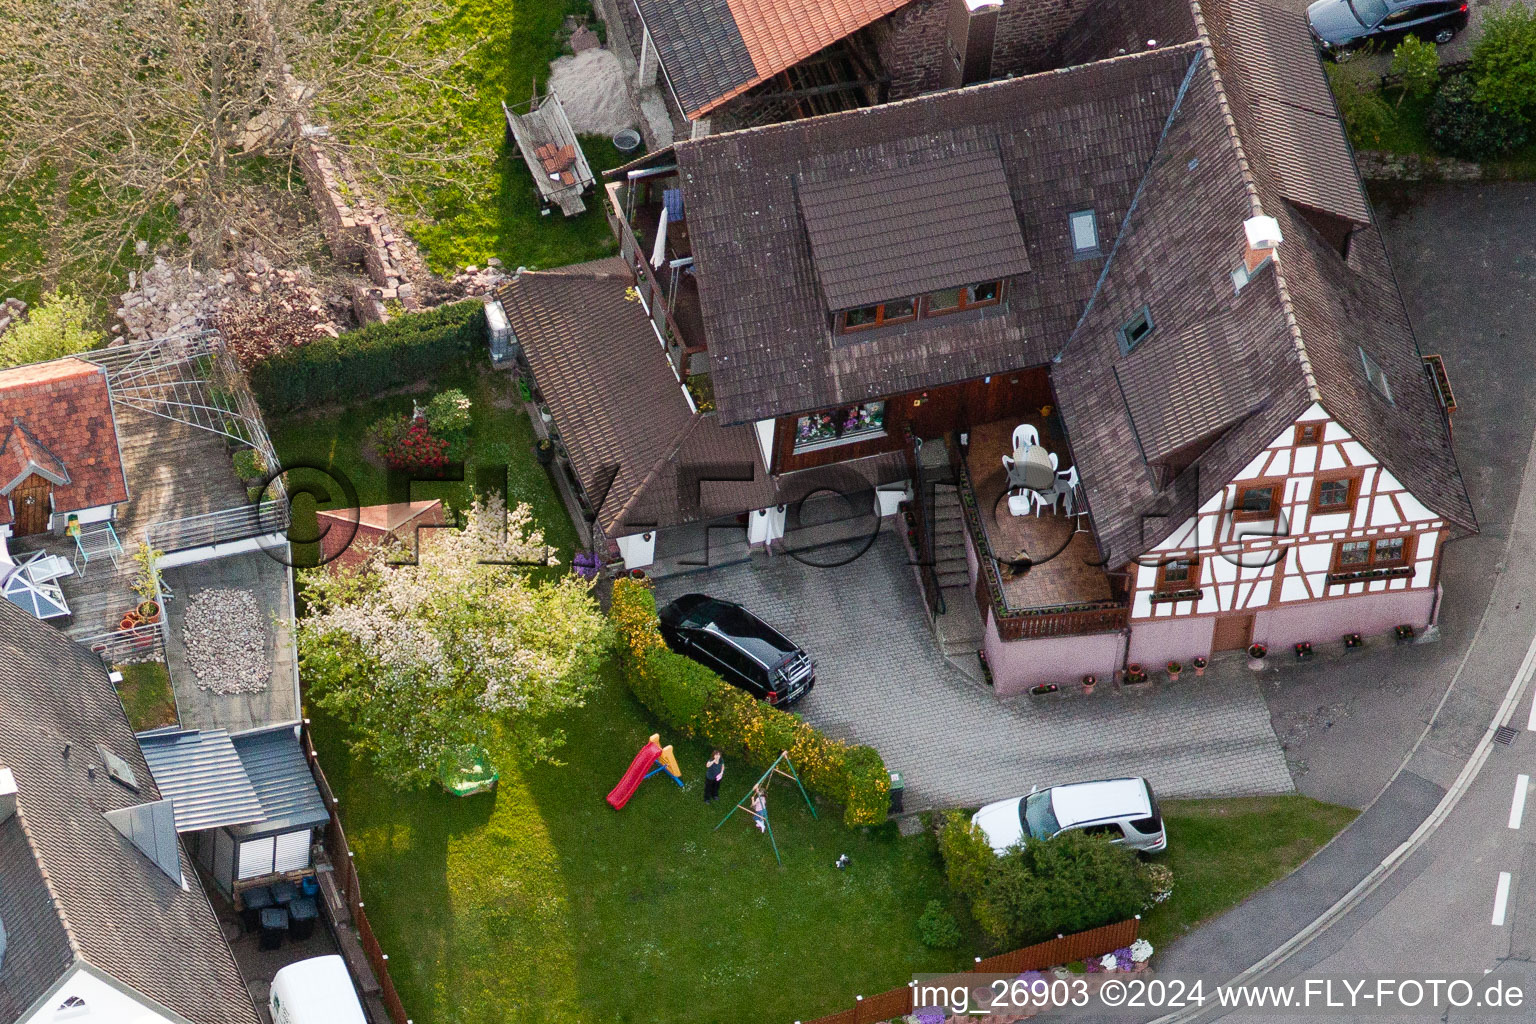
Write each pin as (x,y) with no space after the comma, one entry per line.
(1141,951)
(1107,962)
(471,646)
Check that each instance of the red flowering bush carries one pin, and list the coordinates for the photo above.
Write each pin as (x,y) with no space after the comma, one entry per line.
(407,443)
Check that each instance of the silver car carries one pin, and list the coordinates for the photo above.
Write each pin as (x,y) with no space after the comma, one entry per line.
(1123,809)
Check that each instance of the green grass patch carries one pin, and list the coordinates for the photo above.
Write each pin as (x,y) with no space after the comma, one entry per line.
(543,904)
(500,435)
(493,209)
(1223,851)
(147,695)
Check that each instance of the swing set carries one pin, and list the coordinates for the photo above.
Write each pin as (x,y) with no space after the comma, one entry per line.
(744,804)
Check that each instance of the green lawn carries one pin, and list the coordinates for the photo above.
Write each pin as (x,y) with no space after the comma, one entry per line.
(146,695)
(544,904)
(495,210)
(1223,851)
(500,435)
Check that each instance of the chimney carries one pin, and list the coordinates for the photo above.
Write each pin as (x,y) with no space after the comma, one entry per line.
(1263,235)
(7,794)
(972,31)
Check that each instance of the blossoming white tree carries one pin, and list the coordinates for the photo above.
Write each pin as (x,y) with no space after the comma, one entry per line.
(474,645)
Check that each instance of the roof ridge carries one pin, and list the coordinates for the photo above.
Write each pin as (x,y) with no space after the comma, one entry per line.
(998,83)
(1250,183)
(53,895)
(655,470)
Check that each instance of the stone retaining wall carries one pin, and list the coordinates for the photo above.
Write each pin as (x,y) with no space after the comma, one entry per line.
(1376,165)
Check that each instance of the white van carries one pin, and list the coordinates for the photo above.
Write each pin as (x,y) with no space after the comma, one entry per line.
(1123,809)
(315,991)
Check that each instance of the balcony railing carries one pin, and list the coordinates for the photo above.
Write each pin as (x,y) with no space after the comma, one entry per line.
(1070,619)
(242,522)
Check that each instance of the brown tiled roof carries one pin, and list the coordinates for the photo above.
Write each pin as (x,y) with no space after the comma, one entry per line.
(1068,140)
(638,450)
(58,416)
(909,223)
(714,50)
(88,893)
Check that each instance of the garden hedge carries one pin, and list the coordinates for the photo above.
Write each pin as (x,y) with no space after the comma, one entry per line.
(694,701)
(369,360)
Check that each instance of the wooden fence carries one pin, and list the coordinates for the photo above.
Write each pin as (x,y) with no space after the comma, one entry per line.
(351,890)
(1063,950)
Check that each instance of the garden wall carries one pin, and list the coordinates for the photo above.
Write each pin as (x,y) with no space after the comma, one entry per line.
(1078,946)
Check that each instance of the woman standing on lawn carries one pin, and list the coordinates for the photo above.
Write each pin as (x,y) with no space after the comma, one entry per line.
(714,771)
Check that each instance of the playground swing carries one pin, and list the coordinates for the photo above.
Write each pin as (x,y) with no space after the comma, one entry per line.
(745,803)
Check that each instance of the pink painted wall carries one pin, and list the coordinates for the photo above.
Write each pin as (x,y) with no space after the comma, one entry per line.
(1063,660)
(1156,642)
(1324,621)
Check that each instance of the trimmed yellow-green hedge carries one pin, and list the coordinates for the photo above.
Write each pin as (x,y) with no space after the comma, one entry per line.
(690,698)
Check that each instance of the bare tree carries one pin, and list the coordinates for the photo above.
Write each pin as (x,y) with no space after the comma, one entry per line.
(115,114)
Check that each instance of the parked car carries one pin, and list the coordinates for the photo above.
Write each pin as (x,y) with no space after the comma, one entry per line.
(742,648)
(1123,809)
(1344,26)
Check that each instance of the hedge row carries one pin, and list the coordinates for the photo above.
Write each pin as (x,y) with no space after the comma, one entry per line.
(369,360)
(691,699)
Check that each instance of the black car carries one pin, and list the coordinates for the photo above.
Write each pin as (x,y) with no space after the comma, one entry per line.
(1343,26)
(745,650)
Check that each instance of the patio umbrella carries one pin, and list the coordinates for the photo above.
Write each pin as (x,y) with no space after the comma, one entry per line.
(43,600)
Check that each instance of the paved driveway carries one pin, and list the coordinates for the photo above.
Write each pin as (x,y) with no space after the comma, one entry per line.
(881,680)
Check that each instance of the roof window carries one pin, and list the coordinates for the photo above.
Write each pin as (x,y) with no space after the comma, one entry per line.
(1376,375)
(1135,330)
(1085,233)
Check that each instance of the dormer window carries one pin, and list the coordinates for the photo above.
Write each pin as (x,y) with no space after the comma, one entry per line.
(1135,330)
(953,300)
(895,311)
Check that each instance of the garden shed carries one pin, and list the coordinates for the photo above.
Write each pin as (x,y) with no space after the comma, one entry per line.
(247,803)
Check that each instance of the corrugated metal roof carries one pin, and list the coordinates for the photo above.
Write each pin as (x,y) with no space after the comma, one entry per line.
(275,763)
(203,774)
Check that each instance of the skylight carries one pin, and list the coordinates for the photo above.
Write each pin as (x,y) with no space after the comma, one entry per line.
(1085,233)
(117,768)
(1135,330)
(1376,375)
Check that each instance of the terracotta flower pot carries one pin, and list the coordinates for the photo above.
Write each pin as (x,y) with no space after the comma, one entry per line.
(149,611)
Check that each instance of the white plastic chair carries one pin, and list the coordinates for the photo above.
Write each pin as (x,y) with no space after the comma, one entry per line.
(1066,486)
(1008,463)
(1025,434)
(1044,498)
(1054,461)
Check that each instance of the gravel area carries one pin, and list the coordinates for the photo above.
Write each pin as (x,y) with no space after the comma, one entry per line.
(227,641)
(593,91)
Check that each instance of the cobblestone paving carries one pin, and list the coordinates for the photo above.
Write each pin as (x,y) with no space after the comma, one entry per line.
(881,680)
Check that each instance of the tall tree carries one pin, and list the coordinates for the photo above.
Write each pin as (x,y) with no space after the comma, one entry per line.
(460,649)
(115,114)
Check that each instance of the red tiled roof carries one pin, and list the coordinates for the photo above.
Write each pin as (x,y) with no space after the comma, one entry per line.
(57,417)
(348,546)
(781,33)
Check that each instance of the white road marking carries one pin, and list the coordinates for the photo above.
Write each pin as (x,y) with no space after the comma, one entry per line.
(1530,723)
(1517,808)
(1501,899)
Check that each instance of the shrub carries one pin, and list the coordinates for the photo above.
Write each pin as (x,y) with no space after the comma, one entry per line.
(1504,61)
(1417,66)
(250,464)
(1366,115)
(449,417)
(690,698)
(374,358)
(57,327)
(937,927)
(968,858)
(1463,125)
(1050,887)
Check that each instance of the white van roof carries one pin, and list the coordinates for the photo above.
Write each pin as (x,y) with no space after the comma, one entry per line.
(318,991)
(1078,802)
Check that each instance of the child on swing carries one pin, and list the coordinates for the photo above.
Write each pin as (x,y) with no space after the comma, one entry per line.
(760,808)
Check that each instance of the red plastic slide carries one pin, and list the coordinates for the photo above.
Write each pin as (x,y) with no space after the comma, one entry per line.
(634,776)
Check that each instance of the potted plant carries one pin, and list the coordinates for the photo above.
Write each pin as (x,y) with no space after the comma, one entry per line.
(1353,641)
(1256,653)
(544,451)
(146,582)
(637,574)
(1304,650)
(1089,682)
(1134,673)
(1199,666)
(1043,689)
(1405,634)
